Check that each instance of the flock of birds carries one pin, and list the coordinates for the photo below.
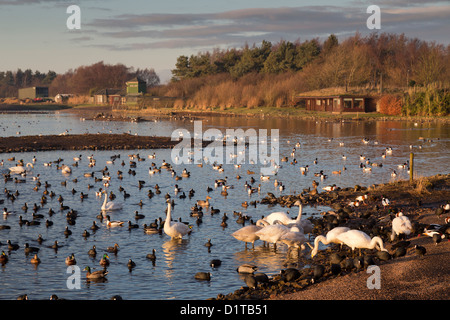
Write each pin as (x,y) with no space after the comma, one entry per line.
(274,228)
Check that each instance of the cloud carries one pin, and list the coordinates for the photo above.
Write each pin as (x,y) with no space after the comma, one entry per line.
(235,27)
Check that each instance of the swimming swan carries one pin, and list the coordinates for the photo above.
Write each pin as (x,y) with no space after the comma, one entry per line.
(331,237)
(110,206)
(20,169)
(176,230)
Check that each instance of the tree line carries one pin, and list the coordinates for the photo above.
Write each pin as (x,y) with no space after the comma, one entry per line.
(272,74)
(84,80)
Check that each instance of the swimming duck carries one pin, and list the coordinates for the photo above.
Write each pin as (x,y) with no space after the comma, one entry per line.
(113,249)
(100,274)
(104,261)
(35,260)
(152,256)
(70,260)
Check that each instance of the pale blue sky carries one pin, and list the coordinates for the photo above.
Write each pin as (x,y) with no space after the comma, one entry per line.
(152,34)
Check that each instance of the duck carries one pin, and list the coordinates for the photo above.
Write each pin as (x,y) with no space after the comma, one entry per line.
(35,260)
(359,239)
(151,256)
(100,274)
(92,251)
(113,249)
(131,264)
(176,230)
(70,260)
(29,249)
(330,237)
(12,246)
(104,261)
(3,258)
(114,223)
(204,203)
(247,268)
(203,276)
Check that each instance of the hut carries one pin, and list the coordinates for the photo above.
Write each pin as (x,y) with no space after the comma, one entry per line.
(337,102)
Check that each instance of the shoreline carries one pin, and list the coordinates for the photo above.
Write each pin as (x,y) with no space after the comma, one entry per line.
(263,112)
(409,277)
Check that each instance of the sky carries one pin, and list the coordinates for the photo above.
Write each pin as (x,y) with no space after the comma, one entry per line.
(152,34)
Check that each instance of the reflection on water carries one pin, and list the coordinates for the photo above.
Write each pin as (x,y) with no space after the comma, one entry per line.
(172,274)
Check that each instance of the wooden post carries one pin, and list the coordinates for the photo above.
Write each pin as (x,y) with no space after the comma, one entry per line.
(411,167)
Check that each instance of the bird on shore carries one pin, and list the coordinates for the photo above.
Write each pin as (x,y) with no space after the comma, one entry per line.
(420,251)
(400,225)
(331,237)
(359,239)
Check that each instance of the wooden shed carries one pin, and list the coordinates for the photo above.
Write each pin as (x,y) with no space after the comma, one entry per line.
(338,103)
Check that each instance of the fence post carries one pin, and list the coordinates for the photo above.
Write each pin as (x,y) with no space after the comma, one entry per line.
(411,166)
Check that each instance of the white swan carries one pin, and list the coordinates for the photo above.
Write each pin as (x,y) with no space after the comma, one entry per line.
(110,206)
(294,238)
(401,224)
(283,218)
(248,233)
(331,237)
(358,239)
(272,233)
(20,169)
(176,230)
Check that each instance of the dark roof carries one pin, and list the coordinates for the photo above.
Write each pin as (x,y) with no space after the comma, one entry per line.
(108,92)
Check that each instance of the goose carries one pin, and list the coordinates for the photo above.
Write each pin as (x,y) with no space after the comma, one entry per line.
(100,274)
(359,239)
(247,233)
(176,230)
(110,206)
(400,225)
(331,237)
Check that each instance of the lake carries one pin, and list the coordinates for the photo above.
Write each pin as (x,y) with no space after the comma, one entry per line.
(172,275)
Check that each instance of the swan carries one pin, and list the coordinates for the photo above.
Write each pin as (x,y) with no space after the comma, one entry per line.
(176,230)
(283,218)
(331,237)
(272,233)
(110,206)
(401,224)
(358,239)
(294,238)
(20,169)
(248,233)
